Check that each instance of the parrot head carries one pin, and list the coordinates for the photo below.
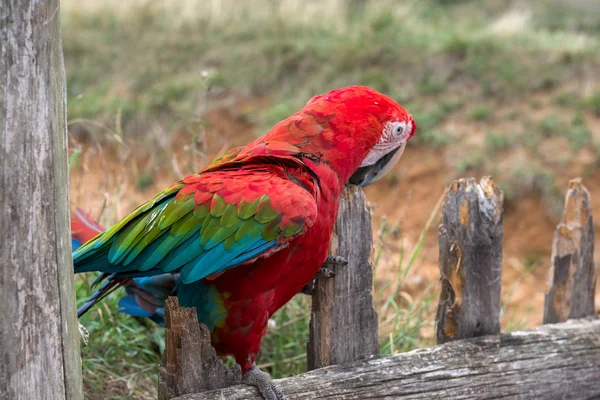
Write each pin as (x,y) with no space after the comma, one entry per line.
(370,132)
(396,132)
(357,131)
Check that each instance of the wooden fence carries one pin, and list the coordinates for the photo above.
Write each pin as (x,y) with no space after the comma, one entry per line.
(39,341)
(552,361)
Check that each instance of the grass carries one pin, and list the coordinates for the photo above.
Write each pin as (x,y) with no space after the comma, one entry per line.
(122,356)
(594,102)
(151,64)
(495,142)
(550,126)
(149,60)
(481,113)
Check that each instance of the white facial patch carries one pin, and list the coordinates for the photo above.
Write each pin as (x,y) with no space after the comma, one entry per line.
(394,135)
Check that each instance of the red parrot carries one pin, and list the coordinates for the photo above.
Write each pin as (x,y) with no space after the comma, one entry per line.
(248,232)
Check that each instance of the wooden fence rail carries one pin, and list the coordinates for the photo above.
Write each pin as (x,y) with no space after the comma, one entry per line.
(552,361)
(559,361)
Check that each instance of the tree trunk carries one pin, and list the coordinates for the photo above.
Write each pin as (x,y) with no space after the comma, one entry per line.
(39,342)
(559,361)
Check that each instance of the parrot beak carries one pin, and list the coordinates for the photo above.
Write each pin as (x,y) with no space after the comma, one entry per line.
(371,173)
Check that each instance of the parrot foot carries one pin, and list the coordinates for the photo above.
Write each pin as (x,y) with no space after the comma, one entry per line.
(264,383)
(336,260)
(339,261)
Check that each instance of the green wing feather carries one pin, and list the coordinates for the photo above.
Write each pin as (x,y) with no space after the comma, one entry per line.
(190,229)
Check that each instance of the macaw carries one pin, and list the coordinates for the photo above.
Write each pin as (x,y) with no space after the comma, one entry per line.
(241,237)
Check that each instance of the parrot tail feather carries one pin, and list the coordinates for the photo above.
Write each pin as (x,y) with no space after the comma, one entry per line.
(111,284)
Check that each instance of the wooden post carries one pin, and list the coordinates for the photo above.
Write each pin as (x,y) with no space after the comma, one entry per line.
(470,260)
(39,340)
(343,325)
(572,280)
(190,363)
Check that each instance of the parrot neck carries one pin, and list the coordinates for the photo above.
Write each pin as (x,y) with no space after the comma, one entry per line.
(330,182)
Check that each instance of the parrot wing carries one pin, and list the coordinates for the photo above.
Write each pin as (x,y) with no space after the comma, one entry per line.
(204,225)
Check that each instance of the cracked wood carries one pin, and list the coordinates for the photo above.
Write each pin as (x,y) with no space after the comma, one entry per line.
(560,361)
(189,362)
(470,260)
(572,280)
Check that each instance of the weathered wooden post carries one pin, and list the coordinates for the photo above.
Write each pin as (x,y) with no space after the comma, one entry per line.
(39,341)
(343,325)
(572,280)
(470,260)
(190,363)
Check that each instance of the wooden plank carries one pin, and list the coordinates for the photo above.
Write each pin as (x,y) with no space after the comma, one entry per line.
(572,280)
(343,324)
(559,361)
(190,363)
(39,341)
(470,260)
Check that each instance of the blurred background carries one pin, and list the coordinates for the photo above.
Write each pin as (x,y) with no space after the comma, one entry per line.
(157,89)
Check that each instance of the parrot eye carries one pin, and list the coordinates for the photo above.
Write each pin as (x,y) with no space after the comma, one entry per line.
(398,129)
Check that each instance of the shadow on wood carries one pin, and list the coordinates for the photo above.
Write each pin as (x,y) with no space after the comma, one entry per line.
(549,362)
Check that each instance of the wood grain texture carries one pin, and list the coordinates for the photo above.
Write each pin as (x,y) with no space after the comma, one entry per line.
(559,361)
(572,280)
(39,342)
(190,364)
(470,260)
(343,325)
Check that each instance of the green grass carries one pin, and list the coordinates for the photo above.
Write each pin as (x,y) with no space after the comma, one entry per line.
(495,142)
(122,356)
(578,133)
(147,60)
(594,102)
(550,126)
(481,113)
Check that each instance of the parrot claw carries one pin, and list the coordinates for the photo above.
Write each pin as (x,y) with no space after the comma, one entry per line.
(339,261)
(326,272)
(336,260)
(264,384)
